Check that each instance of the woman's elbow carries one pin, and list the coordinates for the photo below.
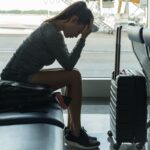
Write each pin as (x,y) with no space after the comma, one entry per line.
(68,67)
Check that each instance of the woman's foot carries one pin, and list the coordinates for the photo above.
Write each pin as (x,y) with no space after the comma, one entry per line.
(82,141)
(66,130)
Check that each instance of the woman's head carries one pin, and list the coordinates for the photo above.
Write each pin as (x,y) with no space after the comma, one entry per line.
(76,16)
(78,9)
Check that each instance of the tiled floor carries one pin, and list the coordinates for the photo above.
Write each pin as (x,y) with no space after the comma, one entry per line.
(95,118)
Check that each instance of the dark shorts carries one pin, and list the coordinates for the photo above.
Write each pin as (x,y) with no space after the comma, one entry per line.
(15,77)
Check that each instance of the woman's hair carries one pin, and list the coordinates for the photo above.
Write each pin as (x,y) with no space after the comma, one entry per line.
(78,9)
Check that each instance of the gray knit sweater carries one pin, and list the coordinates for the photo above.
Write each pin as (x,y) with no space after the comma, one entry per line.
(44,46)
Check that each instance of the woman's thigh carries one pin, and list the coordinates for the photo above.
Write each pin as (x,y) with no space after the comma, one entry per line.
(55,78)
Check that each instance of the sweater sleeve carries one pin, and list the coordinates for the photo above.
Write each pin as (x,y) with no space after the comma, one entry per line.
(59,50)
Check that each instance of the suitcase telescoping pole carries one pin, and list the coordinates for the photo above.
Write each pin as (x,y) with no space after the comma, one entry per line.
(117,52)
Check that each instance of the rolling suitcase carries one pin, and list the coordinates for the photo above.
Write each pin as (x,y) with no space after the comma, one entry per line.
(128,104)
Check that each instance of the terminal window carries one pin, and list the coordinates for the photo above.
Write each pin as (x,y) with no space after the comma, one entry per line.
(18,18)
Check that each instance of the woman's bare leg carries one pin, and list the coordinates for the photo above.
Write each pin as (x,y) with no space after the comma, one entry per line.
(69,123)
(72,80)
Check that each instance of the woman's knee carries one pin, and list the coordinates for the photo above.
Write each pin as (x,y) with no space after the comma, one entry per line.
(76,75)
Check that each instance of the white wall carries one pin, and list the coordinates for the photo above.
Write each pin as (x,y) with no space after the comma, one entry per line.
(96,87)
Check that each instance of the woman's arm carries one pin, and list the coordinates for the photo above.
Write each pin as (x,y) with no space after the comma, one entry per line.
(57,47)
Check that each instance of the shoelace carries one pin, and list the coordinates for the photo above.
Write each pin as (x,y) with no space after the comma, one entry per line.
(83,131)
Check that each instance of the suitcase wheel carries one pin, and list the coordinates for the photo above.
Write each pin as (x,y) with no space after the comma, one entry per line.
(116,146)
(139,146)
(109,133)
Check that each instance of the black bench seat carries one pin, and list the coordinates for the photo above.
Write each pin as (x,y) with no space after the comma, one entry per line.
(33,127)
(38,129)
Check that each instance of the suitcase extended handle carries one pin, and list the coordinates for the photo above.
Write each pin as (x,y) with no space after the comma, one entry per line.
(117,52)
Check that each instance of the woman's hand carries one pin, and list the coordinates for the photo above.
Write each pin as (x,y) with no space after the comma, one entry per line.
(87,30)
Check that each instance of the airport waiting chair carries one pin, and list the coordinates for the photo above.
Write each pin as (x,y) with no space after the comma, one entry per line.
(37,128)
(135,34)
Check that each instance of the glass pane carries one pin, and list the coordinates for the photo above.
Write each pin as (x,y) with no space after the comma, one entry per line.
(18,18)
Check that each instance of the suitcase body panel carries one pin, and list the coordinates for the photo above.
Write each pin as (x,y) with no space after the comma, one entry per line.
(128,108)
